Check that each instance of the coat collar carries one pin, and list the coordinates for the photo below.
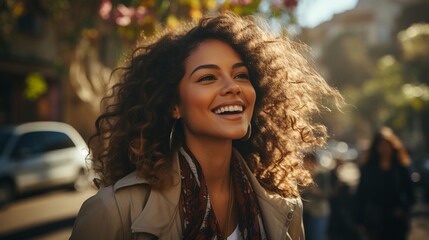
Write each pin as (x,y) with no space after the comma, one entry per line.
(129,180)
(161,214)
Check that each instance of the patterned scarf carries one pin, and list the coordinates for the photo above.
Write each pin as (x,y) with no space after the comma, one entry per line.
(199,220)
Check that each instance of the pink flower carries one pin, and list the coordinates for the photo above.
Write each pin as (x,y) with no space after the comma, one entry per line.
(105,8)
(123,15)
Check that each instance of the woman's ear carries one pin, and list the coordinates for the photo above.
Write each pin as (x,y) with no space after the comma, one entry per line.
(175,112)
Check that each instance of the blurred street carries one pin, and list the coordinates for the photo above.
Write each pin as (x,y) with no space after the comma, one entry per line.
(48,215)
(419,219)
(420,223)
(51,216)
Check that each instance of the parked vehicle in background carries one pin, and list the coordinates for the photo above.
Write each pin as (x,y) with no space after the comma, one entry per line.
(41,155)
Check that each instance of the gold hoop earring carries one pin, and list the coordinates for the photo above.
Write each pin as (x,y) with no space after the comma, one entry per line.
(173,129)
(248,134)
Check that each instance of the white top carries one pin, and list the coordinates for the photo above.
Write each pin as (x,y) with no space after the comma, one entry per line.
(235,235)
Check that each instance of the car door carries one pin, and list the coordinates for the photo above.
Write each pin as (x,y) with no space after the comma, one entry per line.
(41,159)
(28,162)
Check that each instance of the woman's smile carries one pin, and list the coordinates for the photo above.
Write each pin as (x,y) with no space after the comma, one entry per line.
(231,112)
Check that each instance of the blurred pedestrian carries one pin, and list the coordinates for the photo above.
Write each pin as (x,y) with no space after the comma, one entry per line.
(385,194)
(316,200)
(341,222)
(202,135)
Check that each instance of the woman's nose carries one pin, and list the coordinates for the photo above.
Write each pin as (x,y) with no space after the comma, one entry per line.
(230,87)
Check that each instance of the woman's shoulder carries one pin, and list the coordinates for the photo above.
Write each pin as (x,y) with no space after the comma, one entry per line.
(112,208)
(97,216)
(106,199)
(103,199)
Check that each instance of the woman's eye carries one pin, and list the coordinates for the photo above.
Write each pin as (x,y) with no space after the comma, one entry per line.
(206,78)
(242,76)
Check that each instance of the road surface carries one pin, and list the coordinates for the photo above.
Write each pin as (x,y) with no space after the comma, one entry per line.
(45,216)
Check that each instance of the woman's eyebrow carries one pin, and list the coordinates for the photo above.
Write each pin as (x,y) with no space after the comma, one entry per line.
(209,66)
(237,65)
(214,66)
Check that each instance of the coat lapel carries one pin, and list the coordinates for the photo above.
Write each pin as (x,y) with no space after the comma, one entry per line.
(277,212)
(161,216)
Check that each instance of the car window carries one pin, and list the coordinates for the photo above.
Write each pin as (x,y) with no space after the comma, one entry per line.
(56,140)
(40,142)
(4,138)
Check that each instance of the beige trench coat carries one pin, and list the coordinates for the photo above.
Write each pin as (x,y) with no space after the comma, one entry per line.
(120,212)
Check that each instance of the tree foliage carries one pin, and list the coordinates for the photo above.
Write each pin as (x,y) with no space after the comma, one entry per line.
(391,88)
(380,97)
(395,92)
(125,18)
(91,36)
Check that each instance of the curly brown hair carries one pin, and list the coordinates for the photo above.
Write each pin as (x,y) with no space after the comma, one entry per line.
(133,132)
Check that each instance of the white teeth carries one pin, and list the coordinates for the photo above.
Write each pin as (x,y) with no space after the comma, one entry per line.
(234,108)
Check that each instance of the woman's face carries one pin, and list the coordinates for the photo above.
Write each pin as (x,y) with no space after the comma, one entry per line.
(216,95)
(384,149)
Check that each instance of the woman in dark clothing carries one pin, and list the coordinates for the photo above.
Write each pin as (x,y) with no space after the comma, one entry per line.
(384,195)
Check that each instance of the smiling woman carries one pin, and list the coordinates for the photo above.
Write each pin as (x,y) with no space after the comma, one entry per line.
(202,137)
(216,96)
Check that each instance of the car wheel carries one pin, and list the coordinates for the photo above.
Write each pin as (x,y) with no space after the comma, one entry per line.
(82,181)
(7,192)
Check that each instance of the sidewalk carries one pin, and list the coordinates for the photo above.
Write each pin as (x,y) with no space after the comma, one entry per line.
(419,229)
(419,226)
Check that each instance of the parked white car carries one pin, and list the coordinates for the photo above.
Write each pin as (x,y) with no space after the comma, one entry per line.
(41,155)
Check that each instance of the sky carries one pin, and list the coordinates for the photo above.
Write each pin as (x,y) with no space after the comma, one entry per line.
(311,13)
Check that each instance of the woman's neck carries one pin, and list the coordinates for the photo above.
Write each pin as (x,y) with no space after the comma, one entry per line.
(214,158)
